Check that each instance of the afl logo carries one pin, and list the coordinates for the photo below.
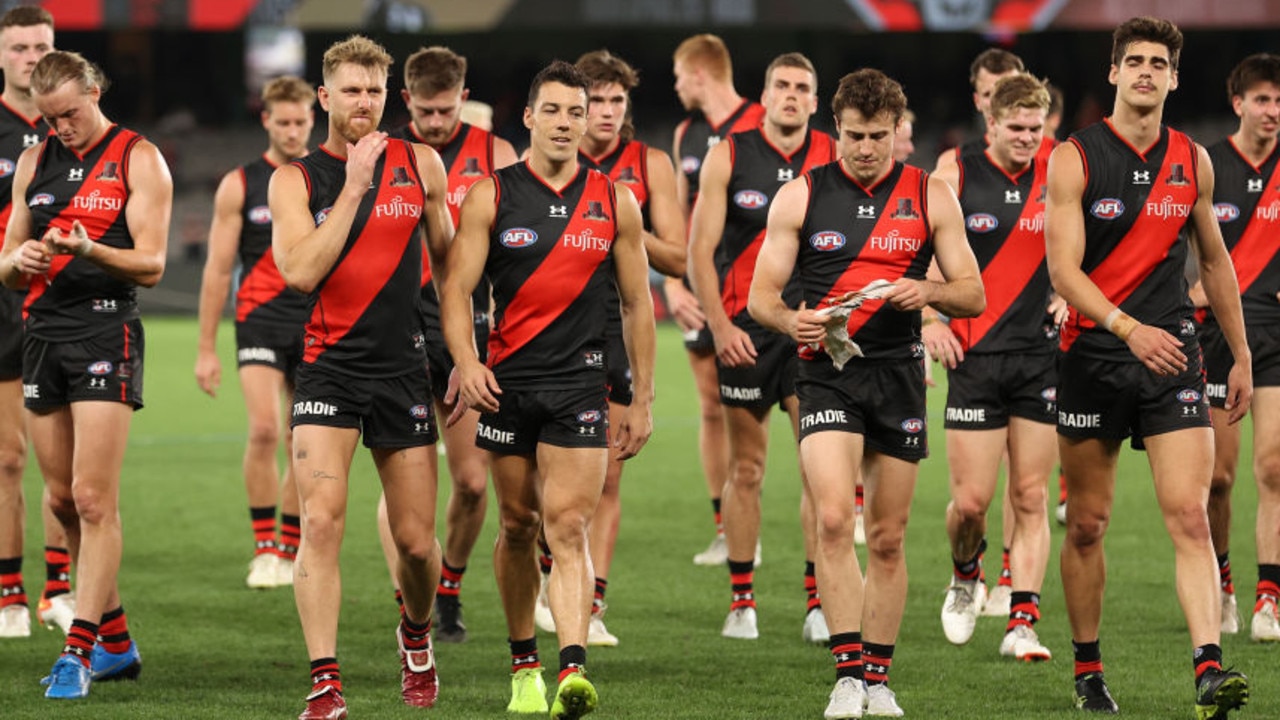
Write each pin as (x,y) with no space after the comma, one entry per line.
(41,199)
(1107,209)
(1226,212)
(690,164)
(519,238)
(6,167)
(912,425)
(419,412)
(1049,394)
(261,215)
(981,222)
(322,215)
(750,199)
(827,241)
(102,367)
(589,416)
(1188,396)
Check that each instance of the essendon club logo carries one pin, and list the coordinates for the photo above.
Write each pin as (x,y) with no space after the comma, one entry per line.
(400,177)
(595,211)
(628,175)
(1177,176)
(471,168)
(906,210)
(981,222)
(110,171)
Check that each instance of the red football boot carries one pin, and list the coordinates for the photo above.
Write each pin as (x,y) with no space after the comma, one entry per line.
(419,684)
(325,704)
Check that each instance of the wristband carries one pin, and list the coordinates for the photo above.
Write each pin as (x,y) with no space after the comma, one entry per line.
(1120,324)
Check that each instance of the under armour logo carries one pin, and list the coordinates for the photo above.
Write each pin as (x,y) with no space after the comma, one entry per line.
(785,174)
(97,383)
(1255,185)
(29,140)
(867,211)
(1013,197)
(713,141)
(75,175)
(1141,177)
(559,211)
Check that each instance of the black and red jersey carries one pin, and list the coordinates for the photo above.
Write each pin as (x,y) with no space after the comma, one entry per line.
(551,264)
(358,317)
(77,299)
(1004,221)
(1136,205)
(698,135)
(853,235)
(759,170)
(17,133)
(262,298)
(628,164)
(1246,201)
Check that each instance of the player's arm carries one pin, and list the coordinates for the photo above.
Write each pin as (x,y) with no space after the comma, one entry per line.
(948,162)
(631,268)
(733,346)
(942,344)
(22,256)
(960,293)
(220,258)
(146,214)
(682,182)
(466,260)
(504,153)
(306,252)
(1064,252)
(775,263)
(1221,289)
(436,221)
(666,245)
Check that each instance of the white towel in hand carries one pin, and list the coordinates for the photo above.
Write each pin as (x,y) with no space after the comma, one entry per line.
(837,343)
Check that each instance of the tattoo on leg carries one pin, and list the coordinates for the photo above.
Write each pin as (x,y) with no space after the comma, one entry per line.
(322,475)
(302,454)
(302,571)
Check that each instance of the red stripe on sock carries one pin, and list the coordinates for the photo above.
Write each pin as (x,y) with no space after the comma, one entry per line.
(1084,668)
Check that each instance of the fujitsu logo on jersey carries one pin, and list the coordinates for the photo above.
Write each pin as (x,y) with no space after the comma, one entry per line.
(893,242)
(981,222)
(1167,207)
(95,201)
(1033,224)
(1226,212)
(1268,213)
(456,196)
(397,208)
(586,241)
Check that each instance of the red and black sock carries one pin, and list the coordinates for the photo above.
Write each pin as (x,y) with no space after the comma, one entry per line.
(859,498)
(400,601)
(971,569)
(1006,574)
(876,661)
(80,639)
(264,529)
(290,536)
(573,658)
(1224,574)
(597,601)
(1024,609)
(846,648)
(524,654)
(1062,486)
(811,587)
(544,557)
(742,575)
(1268,586)
(450,580)
(57,572)
(325,675)
(1206,657)
(415,636)
(715,509)
(113,633)
(12,591)
(1088,658)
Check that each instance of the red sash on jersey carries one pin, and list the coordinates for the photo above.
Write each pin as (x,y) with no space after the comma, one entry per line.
(1251,256)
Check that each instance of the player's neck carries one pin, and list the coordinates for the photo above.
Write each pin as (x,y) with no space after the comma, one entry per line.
(1139,126)
(596,149)
(22,101)
(1006,163)
(556,173)
(277,158)
(1255,149)
(785,139)
(720,102)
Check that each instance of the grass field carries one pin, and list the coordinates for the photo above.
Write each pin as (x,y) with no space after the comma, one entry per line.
(213,649)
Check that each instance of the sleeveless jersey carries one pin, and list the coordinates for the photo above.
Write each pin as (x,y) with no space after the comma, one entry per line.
(74,299)
(627,164)
(468,159)
(357,314)
(1004,221)
(853,235)
(551,262)
(1246,201)
(1136,205)
(17,133)
(262,298)
(698,135)
(759,170)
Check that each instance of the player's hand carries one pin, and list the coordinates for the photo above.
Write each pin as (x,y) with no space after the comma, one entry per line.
(1058,309)
(362,159)
(32,258)
(734,347)
(1239,392)
(75,242)
(907,295)
(208,372)
(942,344)
(477,388)
(807,326)
(633,430)
(684,307)
(1158,350)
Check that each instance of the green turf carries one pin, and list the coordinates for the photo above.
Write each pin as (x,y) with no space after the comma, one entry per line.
(213,649)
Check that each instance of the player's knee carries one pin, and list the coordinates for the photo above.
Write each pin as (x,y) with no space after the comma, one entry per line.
(1086,529)
(1189,521)
(747,473)
(566,526)
(969,509)
(1030,499)
(322,526)
(93,504)
(884,541)
(519,526)
(1266,468)
(263,436)
(835,526)
(13,460)
(415,548)
(470,488)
